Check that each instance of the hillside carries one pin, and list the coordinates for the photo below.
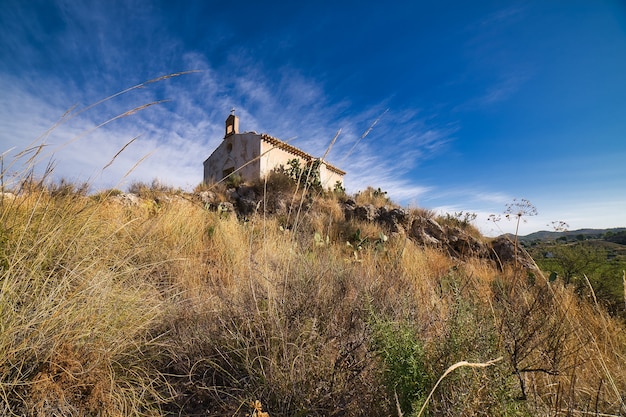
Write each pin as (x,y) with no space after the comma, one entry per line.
(161,303)
(571,234)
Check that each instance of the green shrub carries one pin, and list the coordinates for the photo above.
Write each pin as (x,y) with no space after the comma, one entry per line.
(234,181)
(403,358)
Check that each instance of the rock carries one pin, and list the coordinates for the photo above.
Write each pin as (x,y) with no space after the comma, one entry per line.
(434,229)
(246,206)
(207,197)
(426,240)
(226,207)
(503,252)
(245,200)
(366,213)
(424,226)
(247,193)
(127,199)
(348,209)
(395,219)
(277,203)
(427,232)
(463,245)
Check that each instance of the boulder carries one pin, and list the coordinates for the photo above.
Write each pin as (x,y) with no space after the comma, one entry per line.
(366,213)
(425,226)
(226,207)
(127,199)
(395,219)
(348,209)
(207,197)
(503,252)
(246,206)
(464,245)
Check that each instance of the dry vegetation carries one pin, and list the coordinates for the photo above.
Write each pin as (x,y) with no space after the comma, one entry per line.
(167,308)
(166,305)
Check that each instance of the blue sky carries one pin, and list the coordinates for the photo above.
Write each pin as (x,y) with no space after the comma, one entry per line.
(477,103)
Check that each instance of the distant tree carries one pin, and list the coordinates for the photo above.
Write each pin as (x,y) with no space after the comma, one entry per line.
(619,237)
(570,262)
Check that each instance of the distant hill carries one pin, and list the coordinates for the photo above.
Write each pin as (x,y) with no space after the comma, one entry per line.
(571,234)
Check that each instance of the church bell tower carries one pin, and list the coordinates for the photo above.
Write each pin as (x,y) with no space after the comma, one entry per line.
(232,124)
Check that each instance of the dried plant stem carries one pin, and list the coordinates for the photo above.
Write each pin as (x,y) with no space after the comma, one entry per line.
(452,368)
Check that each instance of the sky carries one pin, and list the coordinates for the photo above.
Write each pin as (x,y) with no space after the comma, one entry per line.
(447,105)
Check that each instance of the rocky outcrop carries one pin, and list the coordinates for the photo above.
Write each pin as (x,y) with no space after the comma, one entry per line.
(245,201)
(207,197)
(366,213)
(426,231)
(456,241)
(395,219)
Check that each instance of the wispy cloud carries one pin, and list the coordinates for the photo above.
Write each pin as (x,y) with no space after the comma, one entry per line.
(493,72)
(503,16)
(179,134)
(501,90)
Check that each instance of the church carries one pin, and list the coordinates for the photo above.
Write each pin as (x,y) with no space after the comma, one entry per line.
(252,156)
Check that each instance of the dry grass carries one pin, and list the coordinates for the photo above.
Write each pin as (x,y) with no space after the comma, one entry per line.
(376,197)
(76,308)
(168,308)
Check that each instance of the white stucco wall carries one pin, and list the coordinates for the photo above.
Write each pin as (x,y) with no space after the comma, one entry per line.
(275,157)
(234,152)
(329,178)
(238,150)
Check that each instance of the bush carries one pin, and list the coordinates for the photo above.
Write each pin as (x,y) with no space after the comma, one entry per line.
(276,181)
(152,190)
(234,180)
(403,358)
(65,188)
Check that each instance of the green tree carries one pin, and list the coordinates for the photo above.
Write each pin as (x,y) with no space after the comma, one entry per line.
(574,260)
